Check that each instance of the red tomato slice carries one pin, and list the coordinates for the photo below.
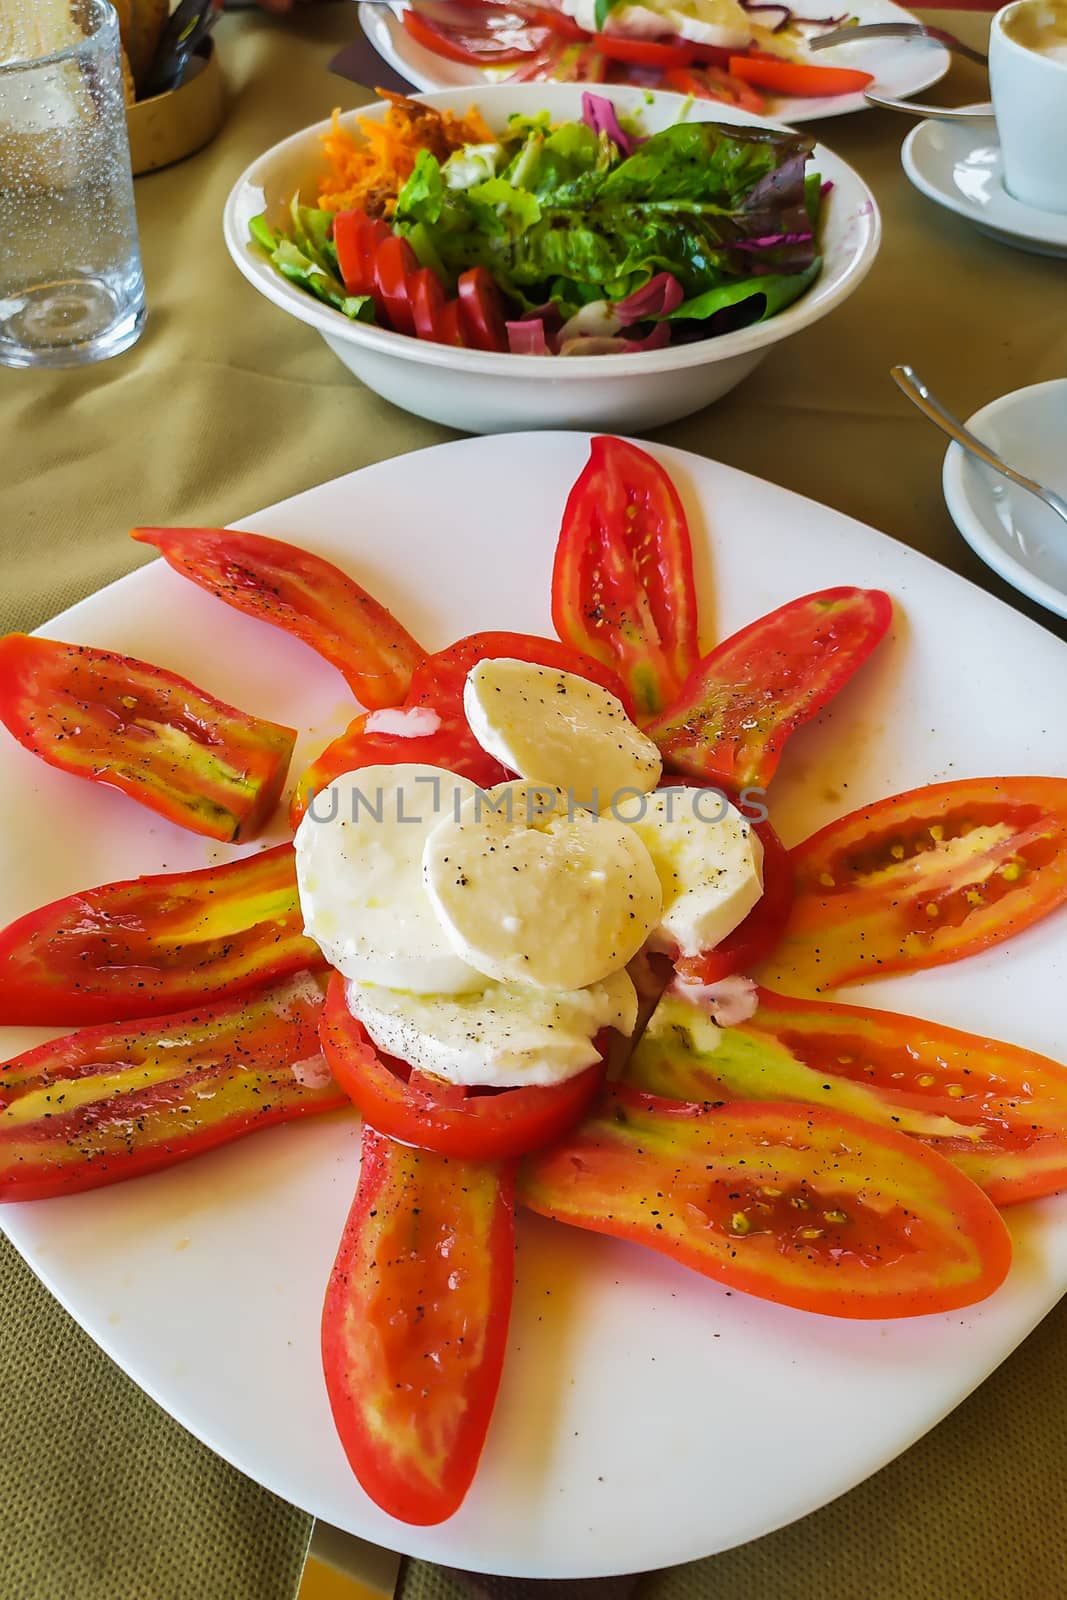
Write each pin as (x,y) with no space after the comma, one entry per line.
(622,583)
(155,945)
(481,310)
(305,595)
(451,746)
(143,730)
(797,78)
(757,937)
(427,305)
(356,266)
(643,52)
(437,686)
(505,36)
(415,1322)
(476,1125)
(450,328)
(106,1104)
(997,1112)
(922,878)
(395,263)
(797,1204)
(742,702)
(709,81)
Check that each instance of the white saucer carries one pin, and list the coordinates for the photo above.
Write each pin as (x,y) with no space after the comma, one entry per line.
(957,164)
(1008,528)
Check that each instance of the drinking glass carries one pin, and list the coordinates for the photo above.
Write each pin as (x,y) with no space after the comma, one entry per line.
(71,288)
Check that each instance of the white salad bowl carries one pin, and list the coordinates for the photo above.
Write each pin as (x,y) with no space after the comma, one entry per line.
(484,392)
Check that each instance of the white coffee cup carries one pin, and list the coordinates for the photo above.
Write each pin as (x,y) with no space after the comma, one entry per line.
(1028,76)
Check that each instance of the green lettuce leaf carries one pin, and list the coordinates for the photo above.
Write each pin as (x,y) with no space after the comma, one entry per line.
(776,290)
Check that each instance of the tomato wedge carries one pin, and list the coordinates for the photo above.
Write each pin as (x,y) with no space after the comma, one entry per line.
(476,1125)
(427,305)
(923,878)
(755,939)
(622,583)
(148,946)
(395,264)
(481,311)
(105,1104)
(442,738)
(798,78)
(742,701)
(300,592)
(356,237)
(415,1322)
(808,1207)
(143,730)
(997,1112)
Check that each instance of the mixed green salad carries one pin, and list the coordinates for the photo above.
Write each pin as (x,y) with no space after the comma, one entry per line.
(574,239)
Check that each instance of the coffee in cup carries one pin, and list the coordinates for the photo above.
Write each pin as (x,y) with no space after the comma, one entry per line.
(1028,77)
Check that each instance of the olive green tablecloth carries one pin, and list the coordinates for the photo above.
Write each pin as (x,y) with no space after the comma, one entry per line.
(226,406)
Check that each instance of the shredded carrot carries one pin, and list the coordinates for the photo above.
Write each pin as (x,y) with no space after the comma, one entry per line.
(369,172)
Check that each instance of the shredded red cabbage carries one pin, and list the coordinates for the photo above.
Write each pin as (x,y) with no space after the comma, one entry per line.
(598,113)
(771,241)
(790,16)
(826,187)
(660,296)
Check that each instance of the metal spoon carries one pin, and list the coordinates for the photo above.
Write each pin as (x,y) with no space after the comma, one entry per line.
(908,382)
(915,108)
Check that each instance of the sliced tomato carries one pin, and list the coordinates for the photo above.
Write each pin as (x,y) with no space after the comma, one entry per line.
(356,238)
(300,592)
(708,81)
(922,878)
(451,745)
(437,688)
(643,52)
(755,939)
(481,310)
(450,325)
(997,1112)
(149,946)
(106,1104)
(415,1322)
(440,680)
(798,78)
(741,703)
(143,730)
(505,36)
(808,1207)
(622,583)
(427,305)
(395,264)
(477,1125)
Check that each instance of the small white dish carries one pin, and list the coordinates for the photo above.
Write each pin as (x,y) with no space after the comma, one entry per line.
(958,165)
(1021,539)
(486,392)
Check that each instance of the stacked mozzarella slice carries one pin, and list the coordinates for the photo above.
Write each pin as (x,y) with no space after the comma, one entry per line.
(485,934)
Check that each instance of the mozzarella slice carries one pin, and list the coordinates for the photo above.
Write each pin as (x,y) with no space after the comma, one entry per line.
(531,889)
(554,727)
(503,1035)
(709,861)
(359,871)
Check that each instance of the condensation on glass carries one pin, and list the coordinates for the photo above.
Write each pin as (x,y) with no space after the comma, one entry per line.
(71,287)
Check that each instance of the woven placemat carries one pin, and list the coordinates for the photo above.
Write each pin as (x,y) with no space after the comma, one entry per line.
(105,1497)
